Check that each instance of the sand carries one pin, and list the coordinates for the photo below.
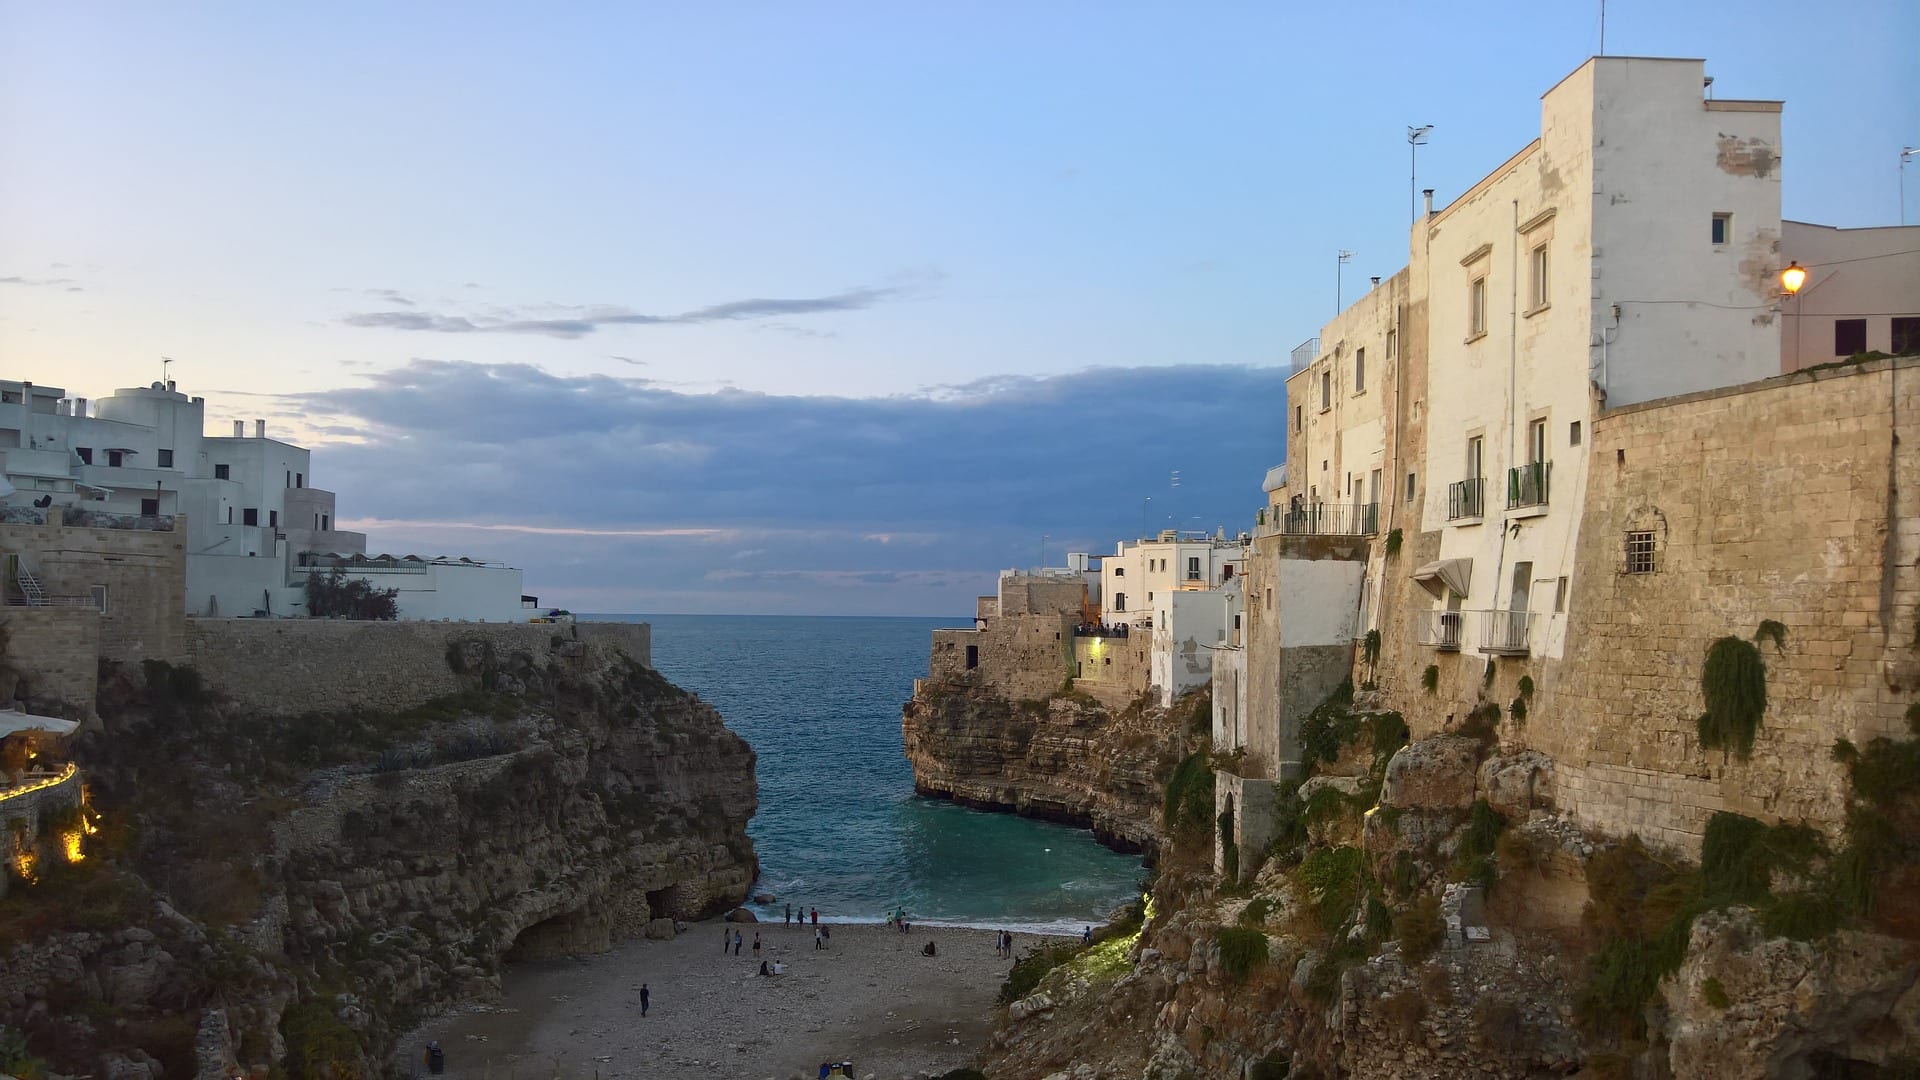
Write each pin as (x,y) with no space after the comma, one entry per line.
(870,997)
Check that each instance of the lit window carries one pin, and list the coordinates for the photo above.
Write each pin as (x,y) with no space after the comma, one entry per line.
(1640,551)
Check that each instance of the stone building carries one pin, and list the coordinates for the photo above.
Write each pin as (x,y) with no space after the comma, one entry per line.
(1021,645)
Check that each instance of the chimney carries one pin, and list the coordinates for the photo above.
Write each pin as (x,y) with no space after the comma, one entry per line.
(259,429)
(64,408)
(1428,192)
(239,429)
(169,386)
(1376,280)
(80,407)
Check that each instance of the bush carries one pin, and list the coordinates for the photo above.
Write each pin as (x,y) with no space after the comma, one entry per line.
(1734,682)
(1033,967)
(1473,859)
(1420,929)
(1715,994)
(1430,679)
(335,596)
(1393,543)
(1256,911)
(1338,882)
(1242,949)
(319,1046)
(1189,797)
(1330,726)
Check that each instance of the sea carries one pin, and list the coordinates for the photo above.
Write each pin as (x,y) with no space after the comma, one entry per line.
(839,827)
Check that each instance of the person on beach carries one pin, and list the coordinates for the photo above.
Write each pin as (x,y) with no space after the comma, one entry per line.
(816,916)
(818,941)
(644,999)
(436,1059)
(763,968)
(1086,936)
(736,943)
(789,914)
(756,943)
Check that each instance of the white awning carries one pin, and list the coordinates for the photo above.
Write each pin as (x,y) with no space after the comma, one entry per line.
(13,721)
(1441,575)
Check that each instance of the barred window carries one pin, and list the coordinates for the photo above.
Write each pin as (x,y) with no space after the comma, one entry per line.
(1640,552)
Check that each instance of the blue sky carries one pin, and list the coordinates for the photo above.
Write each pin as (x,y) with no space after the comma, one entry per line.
(810,219)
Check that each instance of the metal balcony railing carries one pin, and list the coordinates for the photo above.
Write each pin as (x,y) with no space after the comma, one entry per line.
(1527,484)
(1467,498)
(1332,519)
(1505,633)
(1304,354)
(1441,629)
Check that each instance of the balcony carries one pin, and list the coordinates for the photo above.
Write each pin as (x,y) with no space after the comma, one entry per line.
(1332,519)
(1505,633)
(1304,354)
(1467,499)
(1441,629)
(1527,485)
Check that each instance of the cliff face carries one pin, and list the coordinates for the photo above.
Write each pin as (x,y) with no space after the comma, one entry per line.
(1067,758)
(296,893)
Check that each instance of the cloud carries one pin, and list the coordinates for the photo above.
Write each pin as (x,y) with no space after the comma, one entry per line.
(587,320)
(627,360)
(391,296)
(604,487)
(42,282)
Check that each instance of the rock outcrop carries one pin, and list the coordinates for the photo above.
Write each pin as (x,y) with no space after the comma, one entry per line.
(323,882)
(1067,758)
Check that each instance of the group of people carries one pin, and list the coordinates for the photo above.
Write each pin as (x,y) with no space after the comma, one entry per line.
(1087,629)
(1003,945)
(898,920)
(803,916)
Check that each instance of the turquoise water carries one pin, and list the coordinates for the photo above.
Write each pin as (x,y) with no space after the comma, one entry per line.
(839,827)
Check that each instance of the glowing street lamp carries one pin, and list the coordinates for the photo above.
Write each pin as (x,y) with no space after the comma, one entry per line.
(1792,278)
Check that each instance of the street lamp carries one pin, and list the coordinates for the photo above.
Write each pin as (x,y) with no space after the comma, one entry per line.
(1416,138)
(1791,279)
(1906,153)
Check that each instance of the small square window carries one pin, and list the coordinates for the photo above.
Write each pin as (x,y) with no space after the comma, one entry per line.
(220,472)
(115,458)
(1906,335)
(1722,229)
(166,459)
(1849,336)
(1640,551)
(86,454)
(1573,433)
(1119,571)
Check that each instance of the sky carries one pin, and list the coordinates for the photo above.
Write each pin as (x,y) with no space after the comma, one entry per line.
(824,308)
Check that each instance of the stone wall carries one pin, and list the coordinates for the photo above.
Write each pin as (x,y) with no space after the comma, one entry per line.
(1788,499)
(283,667)
(1123,662)
(1302,593)
(1019,657)
(1028,595)
(143,570)
(55,652)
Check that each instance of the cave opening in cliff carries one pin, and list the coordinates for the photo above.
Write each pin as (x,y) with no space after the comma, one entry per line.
(573,933)
(667,903)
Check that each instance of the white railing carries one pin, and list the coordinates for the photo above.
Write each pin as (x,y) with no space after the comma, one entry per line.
(1506,632)
(1441,629)
(37,782)
(54,601)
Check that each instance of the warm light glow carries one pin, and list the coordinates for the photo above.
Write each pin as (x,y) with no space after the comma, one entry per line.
(27,789)
(72,843)
(23,865)
(1793,277)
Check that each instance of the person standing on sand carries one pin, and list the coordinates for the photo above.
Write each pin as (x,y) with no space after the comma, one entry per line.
(816,916)
(817,939)
(756,943)
(736,943)
(726,938)
(789,914)
(644,999)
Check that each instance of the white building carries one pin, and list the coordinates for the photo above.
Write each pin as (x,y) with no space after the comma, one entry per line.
(1631,252)
(1172,585)
(253,519)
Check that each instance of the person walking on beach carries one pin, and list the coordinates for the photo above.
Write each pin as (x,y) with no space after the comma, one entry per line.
(736,943)
(818,941)
(816,916)
(726,939)
(644,998)
(789,914)
(756,943)
(1086,936)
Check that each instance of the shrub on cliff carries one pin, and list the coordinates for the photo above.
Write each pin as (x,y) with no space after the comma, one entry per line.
(1242,950)
(319,1046)
(336,596)
(1033,967)
(1420,929)
(1188,804)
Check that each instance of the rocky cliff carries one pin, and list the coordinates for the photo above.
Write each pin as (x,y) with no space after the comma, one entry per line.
(1066,758)
(292,894)
(1424,911)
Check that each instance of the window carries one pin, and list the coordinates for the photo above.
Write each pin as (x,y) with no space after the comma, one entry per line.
(273,518)
(86,454)
(1640,551)
(1269,598)
(166,459)
(1193,568)
(1477,307)
(1149,597)
(99,595)
(326,522)
(149,507)
(1360,371)
(115,458)
(1119,601)
(289,477)
(1573,433)
(1536,441)
(1560,596)
(973,657)
(1326,390)
(1722,229)
(1539,290)
(1299,416)
(220,473)
(1906,335)
(1119,571)
(1409,487)
(1476,456)
(1393,344)
(249,516)
(1849,336)
(229,515)
(299,479)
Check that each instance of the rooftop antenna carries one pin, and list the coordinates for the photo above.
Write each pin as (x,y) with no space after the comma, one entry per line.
(164,361)
(1339,266)
(1603,27)
(1416,138)
(1906,153)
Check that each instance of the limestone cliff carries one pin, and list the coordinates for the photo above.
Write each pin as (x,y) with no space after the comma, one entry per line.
(294,893)
(1425,911)
(1066,758)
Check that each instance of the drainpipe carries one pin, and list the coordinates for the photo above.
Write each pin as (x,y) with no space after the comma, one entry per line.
(1513,369)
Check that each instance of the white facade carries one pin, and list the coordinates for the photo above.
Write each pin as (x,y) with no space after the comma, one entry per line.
(1629,253)
(250,510)
(1139,580)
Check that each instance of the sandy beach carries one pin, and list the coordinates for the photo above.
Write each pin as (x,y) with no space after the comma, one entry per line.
(871,997)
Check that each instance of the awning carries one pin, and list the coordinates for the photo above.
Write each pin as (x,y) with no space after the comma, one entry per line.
(1441,575)
(13,721)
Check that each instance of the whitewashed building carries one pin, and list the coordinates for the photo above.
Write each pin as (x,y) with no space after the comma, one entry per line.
(256,525)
